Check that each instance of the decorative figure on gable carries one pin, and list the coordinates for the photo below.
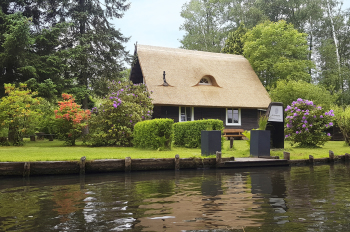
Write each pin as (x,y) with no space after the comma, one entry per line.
(164,80)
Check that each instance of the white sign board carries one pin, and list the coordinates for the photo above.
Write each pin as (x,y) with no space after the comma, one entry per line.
(276,114)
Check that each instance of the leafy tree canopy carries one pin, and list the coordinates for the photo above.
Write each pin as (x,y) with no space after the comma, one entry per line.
(205,28)
(277,51)
(287,91)
(71,42)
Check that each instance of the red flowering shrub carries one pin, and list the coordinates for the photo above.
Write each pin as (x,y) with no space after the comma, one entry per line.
(71,119)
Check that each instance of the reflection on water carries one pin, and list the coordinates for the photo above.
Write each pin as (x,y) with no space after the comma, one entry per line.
(258,199)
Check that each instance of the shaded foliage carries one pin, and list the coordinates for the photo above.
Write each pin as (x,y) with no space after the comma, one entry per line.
(287,91)
(70,42)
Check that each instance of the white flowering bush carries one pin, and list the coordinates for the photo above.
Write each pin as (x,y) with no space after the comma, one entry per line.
(306,124)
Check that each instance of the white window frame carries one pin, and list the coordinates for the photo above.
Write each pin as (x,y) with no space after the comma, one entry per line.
(239,117)
(192,113)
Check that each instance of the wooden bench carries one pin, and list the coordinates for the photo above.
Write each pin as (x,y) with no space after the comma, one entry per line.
(235,133)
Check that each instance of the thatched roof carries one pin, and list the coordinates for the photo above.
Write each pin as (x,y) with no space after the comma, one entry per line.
(235,82)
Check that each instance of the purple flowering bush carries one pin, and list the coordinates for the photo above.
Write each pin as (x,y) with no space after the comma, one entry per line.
(306,123)
(113,121)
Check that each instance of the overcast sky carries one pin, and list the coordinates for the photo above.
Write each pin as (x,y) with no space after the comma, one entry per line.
(152,22)
(156,22)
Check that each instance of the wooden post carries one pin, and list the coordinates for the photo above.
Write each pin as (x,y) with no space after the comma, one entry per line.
(331,156)
(231,142)
(26,169)
(82,165)
(177,162)
(347,157)
(127,164)
(218,158)
(32,138)
(311,159)
(286,155)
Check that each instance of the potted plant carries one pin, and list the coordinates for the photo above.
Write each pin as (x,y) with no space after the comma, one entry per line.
(260,139)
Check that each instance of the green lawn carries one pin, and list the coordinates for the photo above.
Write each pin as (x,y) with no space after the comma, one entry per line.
(55,150)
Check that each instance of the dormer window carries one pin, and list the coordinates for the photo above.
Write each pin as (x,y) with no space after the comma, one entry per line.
(205,81)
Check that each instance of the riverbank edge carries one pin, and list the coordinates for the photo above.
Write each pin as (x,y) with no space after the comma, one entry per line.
(83,166)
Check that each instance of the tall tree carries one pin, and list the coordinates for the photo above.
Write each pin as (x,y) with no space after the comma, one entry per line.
(91,50)
(15,50)
(204,25)
(333,46)
(234,43)
(277,51)
(247,12)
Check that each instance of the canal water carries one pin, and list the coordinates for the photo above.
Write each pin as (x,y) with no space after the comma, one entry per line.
(257,199)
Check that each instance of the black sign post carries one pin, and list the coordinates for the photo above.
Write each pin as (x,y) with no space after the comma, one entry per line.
(275,124)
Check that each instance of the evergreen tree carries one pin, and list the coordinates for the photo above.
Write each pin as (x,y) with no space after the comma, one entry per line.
(75,41)
(234,43)
(15,50)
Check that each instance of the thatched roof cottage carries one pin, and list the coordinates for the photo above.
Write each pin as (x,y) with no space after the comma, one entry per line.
(190,85)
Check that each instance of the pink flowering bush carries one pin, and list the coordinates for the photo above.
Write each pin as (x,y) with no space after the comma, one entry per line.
(306,124)
(112,123)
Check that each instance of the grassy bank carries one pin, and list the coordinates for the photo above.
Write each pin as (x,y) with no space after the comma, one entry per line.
(55,150)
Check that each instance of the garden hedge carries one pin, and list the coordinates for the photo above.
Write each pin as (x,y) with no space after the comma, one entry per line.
(154,134)
(188,134)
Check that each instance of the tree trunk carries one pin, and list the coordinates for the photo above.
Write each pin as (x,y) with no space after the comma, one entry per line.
(83,76)
(11,134)
(336,50)
(85,130)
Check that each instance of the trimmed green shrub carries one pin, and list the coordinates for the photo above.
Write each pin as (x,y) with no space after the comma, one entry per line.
(154,134)
(188,134)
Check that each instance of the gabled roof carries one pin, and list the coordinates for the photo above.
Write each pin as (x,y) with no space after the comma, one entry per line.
(237,85)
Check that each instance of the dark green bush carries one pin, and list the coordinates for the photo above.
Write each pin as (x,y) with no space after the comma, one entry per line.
(188,134)
(154,134)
